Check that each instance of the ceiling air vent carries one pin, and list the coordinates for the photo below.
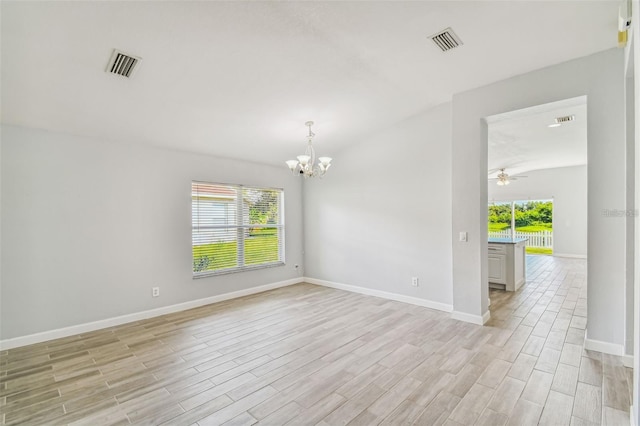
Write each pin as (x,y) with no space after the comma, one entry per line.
(123,64)
(446,39)
(565,119)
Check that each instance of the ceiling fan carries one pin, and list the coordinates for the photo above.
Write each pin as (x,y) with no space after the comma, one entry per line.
(503,178)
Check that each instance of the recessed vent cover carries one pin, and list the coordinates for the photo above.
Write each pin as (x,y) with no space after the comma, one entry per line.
(446,40)
(565,119)
(123,64)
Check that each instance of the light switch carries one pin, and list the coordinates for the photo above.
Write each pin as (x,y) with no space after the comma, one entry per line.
(463,237)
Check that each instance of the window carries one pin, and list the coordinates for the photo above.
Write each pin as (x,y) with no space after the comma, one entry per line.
(235,228)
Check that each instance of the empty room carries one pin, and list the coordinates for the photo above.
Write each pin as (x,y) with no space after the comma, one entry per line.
(319,212)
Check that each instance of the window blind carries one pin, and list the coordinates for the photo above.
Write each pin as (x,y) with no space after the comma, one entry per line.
(235,228)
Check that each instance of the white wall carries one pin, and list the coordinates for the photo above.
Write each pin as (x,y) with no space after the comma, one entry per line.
(567,186)
(89,227)
(635,411)
(630,136)
(601,78)
(383,212)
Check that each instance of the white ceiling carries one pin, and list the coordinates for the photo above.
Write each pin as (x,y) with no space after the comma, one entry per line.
(239,79)
(522,141)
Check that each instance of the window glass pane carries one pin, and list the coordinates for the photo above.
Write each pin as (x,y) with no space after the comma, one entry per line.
(216,249)
(500,220)
(263,212)
(214,234)
(261,246)
(263,206)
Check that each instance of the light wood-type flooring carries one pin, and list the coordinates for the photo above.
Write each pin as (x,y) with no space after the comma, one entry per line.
(305,354)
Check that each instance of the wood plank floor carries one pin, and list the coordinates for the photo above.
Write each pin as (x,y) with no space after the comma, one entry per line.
(311,355)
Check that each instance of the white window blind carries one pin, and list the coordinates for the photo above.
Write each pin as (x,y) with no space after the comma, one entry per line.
(235,228)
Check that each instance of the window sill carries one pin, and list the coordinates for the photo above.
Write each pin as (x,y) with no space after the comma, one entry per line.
(206,274)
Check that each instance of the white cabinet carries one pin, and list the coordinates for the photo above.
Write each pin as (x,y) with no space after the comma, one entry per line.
(498,268)
(506,264)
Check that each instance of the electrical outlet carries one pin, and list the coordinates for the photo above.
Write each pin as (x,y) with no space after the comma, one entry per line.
(155,291)
(414,281)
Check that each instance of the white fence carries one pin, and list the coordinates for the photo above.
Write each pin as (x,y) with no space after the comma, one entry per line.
(535,239)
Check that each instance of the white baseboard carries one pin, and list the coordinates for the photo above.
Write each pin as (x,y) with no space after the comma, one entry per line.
(573,256)
(473,319)
(604,347)
(627,361)
(382,294)
(123,319)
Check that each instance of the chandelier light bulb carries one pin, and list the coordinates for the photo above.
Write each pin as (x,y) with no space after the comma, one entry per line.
(325,161)
(304,159)
(292,164)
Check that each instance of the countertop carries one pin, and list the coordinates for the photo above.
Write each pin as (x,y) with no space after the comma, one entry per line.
(506,240)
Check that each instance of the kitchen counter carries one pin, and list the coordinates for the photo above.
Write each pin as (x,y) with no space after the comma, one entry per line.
(506,263)
(507,240)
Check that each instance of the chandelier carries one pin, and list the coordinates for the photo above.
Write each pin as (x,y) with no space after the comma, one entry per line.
(306,164)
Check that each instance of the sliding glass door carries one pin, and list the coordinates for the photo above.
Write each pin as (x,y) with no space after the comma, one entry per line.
(531,219)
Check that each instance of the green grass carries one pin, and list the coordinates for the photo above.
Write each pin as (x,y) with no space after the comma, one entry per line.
(530,228)
(538,250)
(535,228)
(498,226)
(263,231)
(259,247)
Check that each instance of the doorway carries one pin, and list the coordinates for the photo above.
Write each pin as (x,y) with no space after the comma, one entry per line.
(537,176)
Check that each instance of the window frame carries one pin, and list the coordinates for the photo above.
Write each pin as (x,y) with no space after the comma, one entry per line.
(241,229)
